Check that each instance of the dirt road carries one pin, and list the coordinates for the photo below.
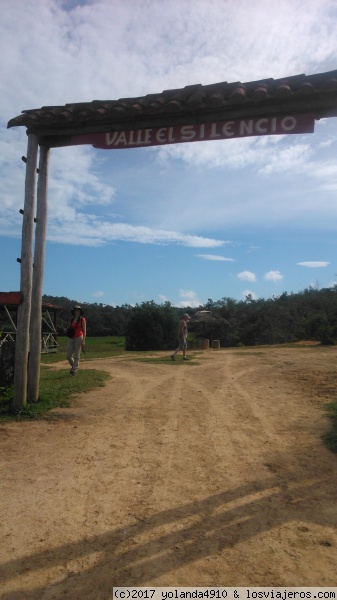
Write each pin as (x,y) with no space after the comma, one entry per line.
(208,473)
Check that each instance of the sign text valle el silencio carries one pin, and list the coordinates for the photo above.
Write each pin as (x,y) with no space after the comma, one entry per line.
(203,132)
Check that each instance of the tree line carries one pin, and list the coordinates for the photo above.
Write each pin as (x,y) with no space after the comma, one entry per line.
(290,317)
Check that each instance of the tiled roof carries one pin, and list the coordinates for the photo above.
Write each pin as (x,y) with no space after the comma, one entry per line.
(194,103)
(13,299)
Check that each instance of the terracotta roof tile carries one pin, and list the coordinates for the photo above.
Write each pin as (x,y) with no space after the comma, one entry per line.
(238,94)
(261,92)
(283,90)
(315,93)
(306,87)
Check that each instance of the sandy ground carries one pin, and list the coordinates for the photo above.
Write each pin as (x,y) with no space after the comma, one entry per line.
(208,473)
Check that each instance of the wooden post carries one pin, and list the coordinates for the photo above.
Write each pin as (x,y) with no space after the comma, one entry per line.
(22,335)
(39,256)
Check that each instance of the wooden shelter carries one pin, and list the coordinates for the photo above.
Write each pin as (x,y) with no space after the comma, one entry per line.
(9,305)
(207,324)
(219,111)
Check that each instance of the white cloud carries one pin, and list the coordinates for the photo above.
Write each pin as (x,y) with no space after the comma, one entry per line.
(246,293)
(215,257)
(242,153)
(157,46)
(246,276)
(54,52)
(273,276)
(99,294)
(94,231)
(253,249)
(313,264)
(188,298)
(76,46)
(289,158)
(74,180)
(326,173)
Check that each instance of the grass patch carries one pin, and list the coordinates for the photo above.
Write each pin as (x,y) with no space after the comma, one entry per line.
(330,437)
(56,388)
(95,347)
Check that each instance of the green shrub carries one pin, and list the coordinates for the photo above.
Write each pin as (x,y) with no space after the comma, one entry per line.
(152,327)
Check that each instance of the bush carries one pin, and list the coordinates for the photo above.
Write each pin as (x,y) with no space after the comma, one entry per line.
(152,327)
(7,363)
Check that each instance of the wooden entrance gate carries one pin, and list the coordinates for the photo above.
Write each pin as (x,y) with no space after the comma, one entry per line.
(193,113)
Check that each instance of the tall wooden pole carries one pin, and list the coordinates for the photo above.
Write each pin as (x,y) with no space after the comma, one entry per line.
(22,334)
(39,257)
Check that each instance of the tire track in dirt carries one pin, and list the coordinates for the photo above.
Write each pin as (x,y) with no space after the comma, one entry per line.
(255,431)
(209,473)
(143,420)
(224,407)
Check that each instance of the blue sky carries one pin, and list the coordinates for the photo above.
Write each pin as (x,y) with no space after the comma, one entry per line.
(186,222)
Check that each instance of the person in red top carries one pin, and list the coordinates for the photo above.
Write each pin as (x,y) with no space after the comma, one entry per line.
(77,341)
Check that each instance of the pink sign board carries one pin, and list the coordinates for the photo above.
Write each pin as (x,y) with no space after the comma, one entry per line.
(217,130)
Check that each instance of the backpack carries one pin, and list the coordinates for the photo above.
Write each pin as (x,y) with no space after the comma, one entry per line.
(71,330)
